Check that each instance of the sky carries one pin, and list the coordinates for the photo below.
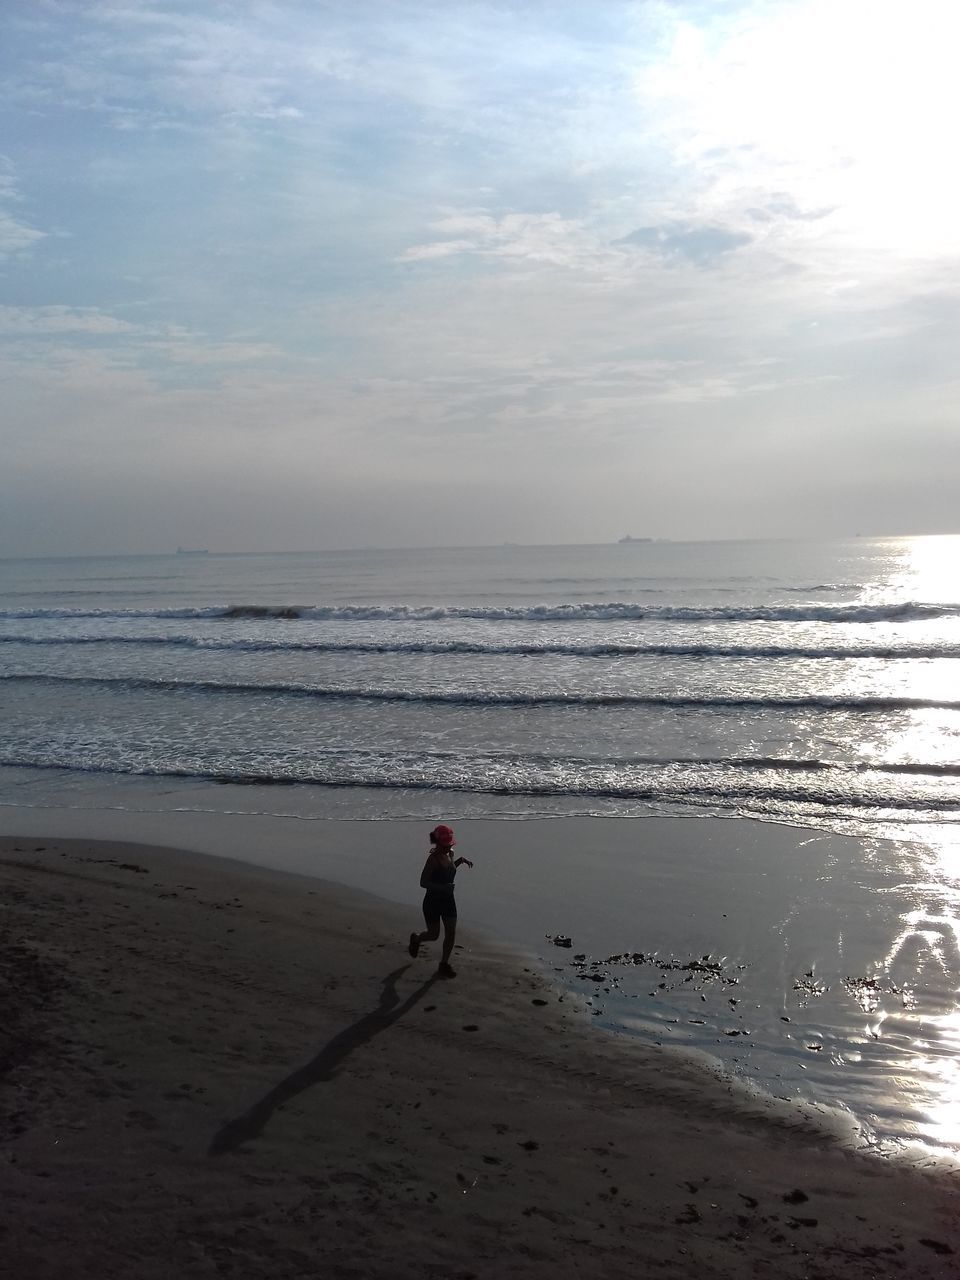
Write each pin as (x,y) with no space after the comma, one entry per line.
(335,273)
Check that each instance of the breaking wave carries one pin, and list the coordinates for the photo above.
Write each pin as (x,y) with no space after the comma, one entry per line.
(742,785)
(490,698)
(479,648)
(609,612)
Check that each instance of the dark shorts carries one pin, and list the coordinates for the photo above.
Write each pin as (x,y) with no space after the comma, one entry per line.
(439,906)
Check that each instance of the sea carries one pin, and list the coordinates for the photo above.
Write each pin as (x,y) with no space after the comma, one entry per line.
(810,685)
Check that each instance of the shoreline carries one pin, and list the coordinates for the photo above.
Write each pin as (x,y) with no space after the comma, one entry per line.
(227,1069)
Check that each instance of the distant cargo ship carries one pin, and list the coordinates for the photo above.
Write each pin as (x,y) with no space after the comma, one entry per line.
(192,551)
(629,539)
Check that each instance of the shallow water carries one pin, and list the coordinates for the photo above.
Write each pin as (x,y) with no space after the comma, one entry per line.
(817,967)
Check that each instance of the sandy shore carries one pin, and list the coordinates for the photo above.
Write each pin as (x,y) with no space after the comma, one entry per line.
(210,1069)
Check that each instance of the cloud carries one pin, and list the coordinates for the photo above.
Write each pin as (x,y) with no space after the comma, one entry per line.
(16,236)
(781,205)
(439,249)
(547,239)
(60,319)
(700,245)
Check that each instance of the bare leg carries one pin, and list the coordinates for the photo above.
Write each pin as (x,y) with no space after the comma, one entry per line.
(449,937)
(430,934)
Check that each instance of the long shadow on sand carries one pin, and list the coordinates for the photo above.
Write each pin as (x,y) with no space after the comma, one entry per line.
(324,1066)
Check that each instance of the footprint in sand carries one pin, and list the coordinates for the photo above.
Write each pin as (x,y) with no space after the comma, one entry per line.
(142,1120)
(937,1246)
(690,1215)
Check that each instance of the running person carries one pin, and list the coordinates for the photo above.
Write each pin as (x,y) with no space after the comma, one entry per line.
(439,903)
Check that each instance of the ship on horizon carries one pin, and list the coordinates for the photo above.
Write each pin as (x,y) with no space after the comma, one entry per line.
(629,538)
(192,551)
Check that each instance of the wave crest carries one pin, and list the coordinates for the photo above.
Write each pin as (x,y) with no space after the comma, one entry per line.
(740,785)
(492,698)
(614,611)
(479,648)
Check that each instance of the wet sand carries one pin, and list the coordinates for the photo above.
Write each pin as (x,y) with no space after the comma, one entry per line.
(211,1069)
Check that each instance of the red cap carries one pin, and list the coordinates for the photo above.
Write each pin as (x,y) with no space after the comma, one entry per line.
(442,835)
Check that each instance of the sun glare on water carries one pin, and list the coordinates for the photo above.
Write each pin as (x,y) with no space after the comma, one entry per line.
(919,570)
(934,1066)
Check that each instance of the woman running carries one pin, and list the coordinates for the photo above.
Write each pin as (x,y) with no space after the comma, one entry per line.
(439,903)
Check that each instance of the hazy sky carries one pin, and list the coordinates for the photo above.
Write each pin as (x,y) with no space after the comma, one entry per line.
(309,274)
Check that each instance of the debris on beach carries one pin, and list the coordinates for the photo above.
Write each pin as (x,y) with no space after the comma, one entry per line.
(699,972)
(868,992)
(808,986)
(561,940)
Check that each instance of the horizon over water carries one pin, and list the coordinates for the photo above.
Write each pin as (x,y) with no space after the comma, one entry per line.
(809,684)
(365,548)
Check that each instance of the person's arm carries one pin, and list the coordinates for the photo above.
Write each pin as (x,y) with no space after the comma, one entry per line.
(463,862)
(426,876)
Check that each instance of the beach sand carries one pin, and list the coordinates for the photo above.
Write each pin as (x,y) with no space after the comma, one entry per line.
(215,1070)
